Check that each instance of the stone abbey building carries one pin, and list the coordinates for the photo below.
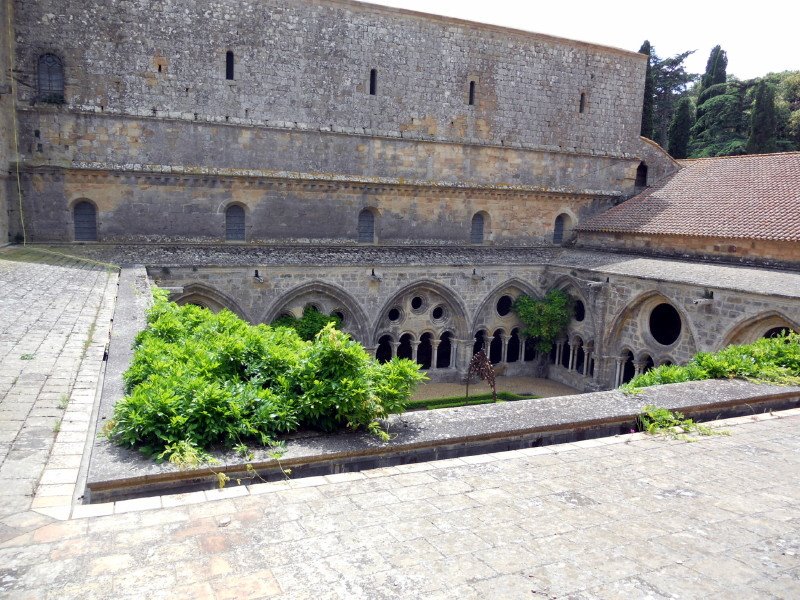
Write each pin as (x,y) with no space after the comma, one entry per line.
(411,173)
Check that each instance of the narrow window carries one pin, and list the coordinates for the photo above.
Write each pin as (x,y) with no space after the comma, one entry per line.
(373,82)
(50,79)
(234,223)
(229,65)
(583,102)
(85,218)
(476,233)
(641,175)
(472,93)
(366,227)
(558,230)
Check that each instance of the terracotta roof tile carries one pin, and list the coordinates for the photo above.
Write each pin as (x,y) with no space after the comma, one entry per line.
(750,197)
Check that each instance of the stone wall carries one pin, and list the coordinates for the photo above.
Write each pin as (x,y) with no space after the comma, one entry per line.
(764,252)
(307,63)
(6,120)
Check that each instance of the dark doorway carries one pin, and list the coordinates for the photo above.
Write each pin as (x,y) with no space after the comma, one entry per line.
(85,217)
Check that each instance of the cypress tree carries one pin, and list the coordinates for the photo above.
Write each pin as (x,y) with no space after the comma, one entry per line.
(764,123)
(647,108)
(679,129)
(716,73)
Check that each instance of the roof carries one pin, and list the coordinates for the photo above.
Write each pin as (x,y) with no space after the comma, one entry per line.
(742,197)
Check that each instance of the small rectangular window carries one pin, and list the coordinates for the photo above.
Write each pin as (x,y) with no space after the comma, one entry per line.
(582,107)
(229,65)
(373,82)
(472,93)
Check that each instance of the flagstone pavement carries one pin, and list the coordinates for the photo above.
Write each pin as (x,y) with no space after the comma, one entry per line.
(623,517)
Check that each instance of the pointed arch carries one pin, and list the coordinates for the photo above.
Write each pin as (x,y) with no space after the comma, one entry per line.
(318,292)
(752,328)
(491,298)
(209,297)
(634,306)
(458,311)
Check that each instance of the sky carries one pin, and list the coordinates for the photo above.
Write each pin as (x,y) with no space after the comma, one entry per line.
(759,37)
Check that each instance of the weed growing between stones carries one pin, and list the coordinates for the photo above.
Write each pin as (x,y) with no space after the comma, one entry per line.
(63,401)
(27,357)
(769,360)
(199,380)
(661,421)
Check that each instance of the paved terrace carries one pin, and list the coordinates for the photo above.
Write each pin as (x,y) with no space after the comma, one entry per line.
(622,517)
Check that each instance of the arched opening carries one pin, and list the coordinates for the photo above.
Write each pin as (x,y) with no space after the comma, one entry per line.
(496,347)
(504,305)
(476,233)
(530,350)
(665,324)
(580,357)
(566,349)
(628,368)
(384,352)
(512,354)
(50,79)
(404,350)
(366,227)
(641,176)
(234,223)
(580,311)
(444,351)
(480,342)
(562,228)
(648,364)
(425,351)
(85,218)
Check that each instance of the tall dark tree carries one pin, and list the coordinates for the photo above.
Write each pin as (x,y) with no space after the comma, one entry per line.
(670,80)
(716,73)
(680,128)
(647,107)
(764,123)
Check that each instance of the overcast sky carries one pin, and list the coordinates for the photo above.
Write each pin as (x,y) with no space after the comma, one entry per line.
(759,37)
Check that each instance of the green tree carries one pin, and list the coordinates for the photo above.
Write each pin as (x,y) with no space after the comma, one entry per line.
(763,124)
(647,107)
(721,126)
(716,73)
(670,81)
(545,320)
(680,128)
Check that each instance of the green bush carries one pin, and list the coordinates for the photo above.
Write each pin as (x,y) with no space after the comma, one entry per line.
(199,379)
(309,325)
(545,320)
(772,360)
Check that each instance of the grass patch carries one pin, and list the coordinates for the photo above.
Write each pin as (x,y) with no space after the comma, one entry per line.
(769,360)
(661,421)
(455,401)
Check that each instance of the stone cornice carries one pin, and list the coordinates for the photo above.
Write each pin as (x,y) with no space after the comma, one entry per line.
(330,181)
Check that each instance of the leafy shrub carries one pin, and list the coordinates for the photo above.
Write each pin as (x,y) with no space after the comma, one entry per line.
(199,379)
(773,360)
(545,320)
(309,325)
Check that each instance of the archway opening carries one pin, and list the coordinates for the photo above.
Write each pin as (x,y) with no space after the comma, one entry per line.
(444,351)
(496,347)
(384,352)
(480,342)
(512,354)
(628,368)
(580,358)
(648,365)
(665,324)
(562,229)
(580,311)
(777,332)
(425,351)
(641,176)
(404,350)
(566,350)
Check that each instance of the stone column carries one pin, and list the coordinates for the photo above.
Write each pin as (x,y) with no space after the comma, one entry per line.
(395,346)
(559,351)
(573,355)
(414,347)
(638,367)
(618,374)
(434,352)
(504,353)
(522,339)
(587,357)
(453,353)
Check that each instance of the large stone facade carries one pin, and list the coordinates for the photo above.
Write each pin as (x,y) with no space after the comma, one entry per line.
(292,153)
(6,118)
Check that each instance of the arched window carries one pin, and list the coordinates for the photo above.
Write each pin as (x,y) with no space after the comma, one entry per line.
(641,175)
(445,351)
(234,223)
(85,218)
(50,73)
(562,228)
(366,227)
(229,65)
(476,233)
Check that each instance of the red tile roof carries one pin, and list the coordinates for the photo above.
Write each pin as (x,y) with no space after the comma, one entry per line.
(750,197)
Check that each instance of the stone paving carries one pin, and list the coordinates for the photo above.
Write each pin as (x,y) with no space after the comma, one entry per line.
(622,517)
